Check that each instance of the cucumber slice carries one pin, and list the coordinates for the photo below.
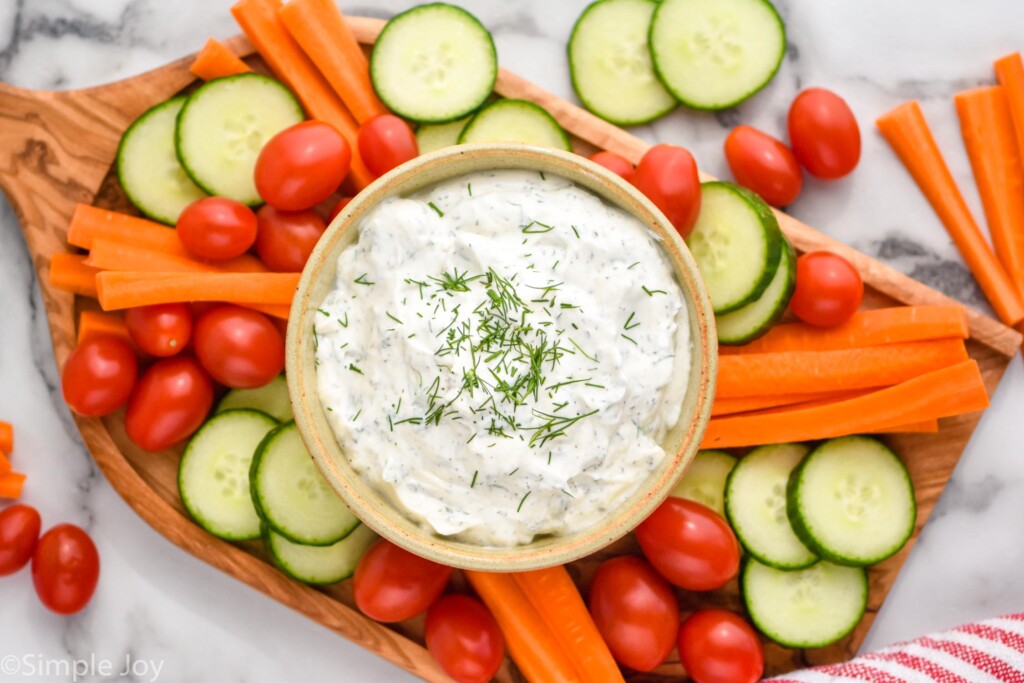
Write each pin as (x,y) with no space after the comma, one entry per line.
(434,63)
(431,137)
(851,501)
(610,63)
(704,481)
(516,121)
(213,475)
(148,167)
(746,324)
(292,496)
(811,607)
(320,565)
(737,245)
(755,503)
(272,398)
(713,54)
(224,125)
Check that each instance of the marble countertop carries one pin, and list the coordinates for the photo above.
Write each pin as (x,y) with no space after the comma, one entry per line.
(158,606)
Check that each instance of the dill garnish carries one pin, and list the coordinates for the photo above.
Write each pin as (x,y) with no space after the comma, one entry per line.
(361,280)
(433,206)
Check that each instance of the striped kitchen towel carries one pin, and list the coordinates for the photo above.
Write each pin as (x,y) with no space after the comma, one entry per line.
(987,652)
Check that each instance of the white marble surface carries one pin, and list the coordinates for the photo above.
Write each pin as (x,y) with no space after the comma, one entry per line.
(157,604)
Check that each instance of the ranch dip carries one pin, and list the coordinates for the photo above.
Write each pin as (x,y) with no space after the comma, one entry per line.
(502,355)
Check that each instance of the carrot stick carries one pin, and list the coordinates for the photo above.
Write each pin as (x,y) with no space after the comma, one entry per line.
(864,328)
(907,132)
(215,60)
(320,29)
(94,324)
(555,597)
(11,485)
(130,289)
(1010,74)
(89,223)
(530,642)
(950,391)
(746,404)
(112,255)
(5,464)
(791,372)
(70,273)
(260,23)
(922,427)
(6,437)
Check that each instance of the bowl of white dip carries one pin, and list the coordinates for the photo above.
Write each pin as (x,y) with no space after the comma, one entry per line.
(501,357)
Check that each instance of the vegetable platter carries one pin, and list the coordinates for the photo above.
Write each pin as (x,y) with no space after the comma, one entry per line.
(60,149)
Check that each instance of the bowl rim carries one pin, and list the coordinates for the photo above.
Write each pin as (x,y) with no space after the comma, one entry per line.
(375,510)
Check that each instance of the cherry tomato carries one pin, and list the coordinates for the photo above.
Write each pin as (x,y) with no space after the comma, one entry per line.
(239,347)
(667,175)
(287,238)
(636,612)
(99,375)
(19,531)
(690,545)
(160,330)
(824,133)
(614,163)
(337,208)
(385,142)
(217,228)
(391,584)
(303,165)
(65,569)
(717,646)
(169,404)
(763,165)
(828,289)
(464,639)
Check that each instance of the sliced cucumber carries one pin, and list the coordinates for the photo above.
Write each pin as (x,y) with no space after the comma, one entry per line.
(320,564)
(434,63)
(224,125)
(148,167)
(213,475)
(749,322)
(431,137)
(737,245)
(272,398)
(292,496)
(852,501)
(704,481)
(713,54)
(755,503)
(516,121)
(610,63)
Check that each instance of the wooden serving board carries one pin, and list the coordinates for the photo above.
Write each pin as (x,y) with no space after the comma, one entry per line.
(56,149)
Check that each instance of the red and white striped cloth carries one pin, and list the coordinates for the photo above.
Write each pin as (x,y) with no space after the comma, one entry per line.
(987,652)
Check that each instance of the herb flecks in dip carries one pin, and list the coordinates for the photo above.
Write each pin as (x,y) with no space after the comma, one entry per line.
(502,355)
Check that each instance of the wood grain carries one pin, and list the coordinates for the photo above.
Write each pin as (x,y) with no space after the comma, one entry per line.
(57,149)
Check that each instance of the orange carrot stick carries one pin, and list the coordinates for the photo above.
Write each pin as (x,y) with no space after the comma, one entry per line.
(746,404)
(530,642)
(1010,74)
(215,60)
(950,391)
(94,324)
(70,273)
(89,223)
(908,134)
(320,29)
(791,372)
(130,289)
(5,464)
(923,427)
(11,485)
(112,255)
(555,597)
(6,437)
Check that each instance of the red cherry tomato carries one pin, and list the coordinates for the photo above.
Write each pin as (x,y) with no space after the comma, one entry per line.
(636,612)
(391,584)
(303,165)
(717,646)
(667,175)
(337,208)
(169,404)
(763,165)
(690,545)
(99,375)
(65,569)
(828,289)
(287,238)
(19,531)
(385,142)
(239,347)
(217,228)
(464,639)
(614,163)
(160,330)
(824,133)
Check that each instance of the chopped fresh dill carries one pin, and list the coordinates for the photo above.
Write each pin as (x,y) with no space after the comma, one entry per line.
(627,325)
(473,483)
(354,368)
(513,471)
(596,386)
(542,175)
(433,206)
(652,292)
(632,265)
(361,280)
(396,319)
(523,500)
(356,416)
(575,231)
(316,339)
(324,313)
(580,348)
(469,187)
(628,338)
(529,228)
(549,457)
(344,323)
(567,493)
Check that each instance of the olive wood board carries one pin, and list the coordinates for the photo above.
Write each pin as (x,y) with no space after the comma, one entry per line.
(58,149)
